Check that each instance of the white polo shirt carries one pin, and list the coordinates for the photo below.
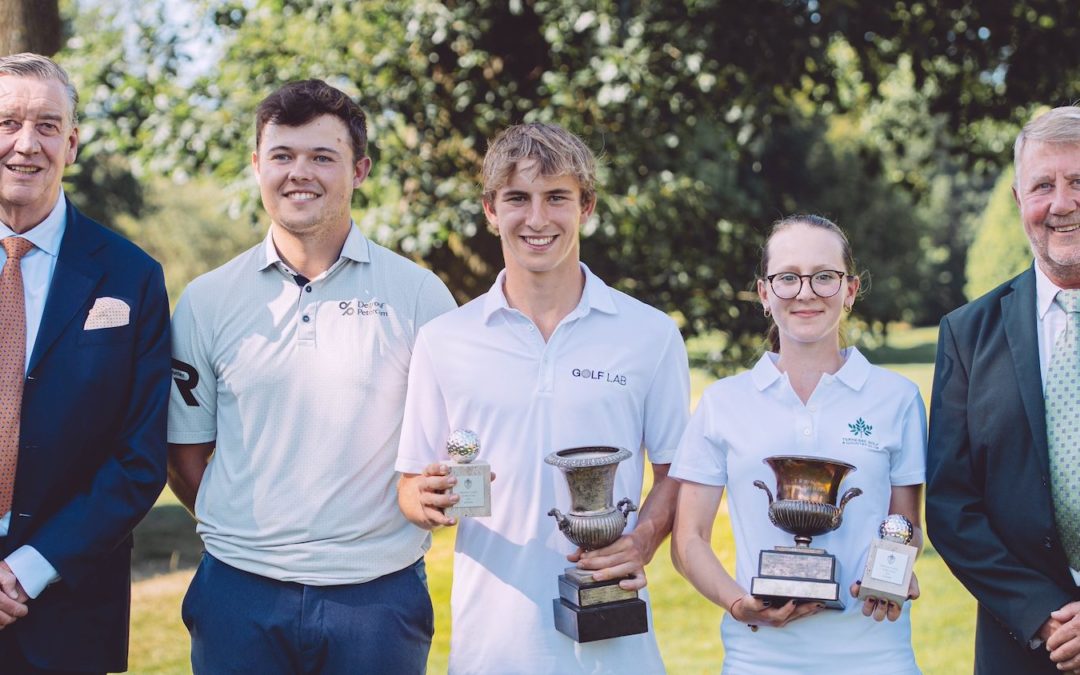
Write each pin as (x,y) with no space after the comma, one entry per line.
(613,373)
(302,388)
(866,416)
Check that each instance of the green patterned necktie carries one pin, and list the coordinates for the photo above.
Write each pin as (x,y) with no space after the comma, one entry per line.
(1063,426)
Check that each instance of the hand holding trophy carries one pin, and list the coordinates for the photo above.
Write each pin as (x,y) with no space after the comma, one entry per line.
(805,506)
(889,567)
(587,609)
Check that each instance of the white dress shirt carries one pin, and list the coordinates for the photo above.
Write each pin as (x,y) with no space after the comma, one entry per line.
(1052,321)
(29,566)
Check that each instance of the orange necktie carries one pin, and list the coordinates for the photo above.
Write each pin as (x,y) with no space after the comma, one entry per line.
(12,363)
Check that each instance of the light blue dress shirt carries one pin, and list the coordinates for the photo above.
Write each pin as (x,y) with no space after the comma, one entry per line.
(31,569)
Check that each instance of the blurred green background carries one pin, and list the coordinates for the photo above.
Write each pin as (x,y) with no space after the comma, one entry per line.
(712,119)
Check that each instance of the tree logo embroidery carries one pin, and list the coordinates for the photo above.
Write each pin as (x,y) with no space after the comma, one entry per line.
(860,428)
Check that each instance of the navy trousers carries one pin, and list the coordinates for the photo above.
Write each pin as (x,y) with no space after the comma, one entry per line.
(245,623)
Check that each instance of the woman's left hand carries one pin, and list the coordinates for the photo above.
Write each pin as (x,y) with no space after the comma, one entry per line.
(880,608)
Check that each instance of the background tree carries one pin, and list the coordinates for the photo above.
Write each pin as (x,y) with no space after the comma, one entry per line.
(1000,249)
(30,26)
(891,118)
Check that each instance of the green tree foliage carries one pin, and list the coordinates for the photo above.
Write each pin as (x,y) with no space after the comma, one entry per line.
(1000,248)
(711,123)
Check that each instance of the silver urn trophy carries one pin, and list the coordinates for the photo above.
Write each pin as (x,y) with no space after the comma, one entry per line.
(586,609)
(805,506)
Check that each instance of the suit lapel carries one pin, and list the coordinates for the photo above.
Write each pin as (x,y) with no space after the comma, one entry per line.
(74,279)
(1021,332)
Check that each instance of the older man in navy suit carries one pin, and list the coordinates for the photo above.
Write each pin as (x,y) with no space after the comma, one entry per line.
(1003,470)
(84,382)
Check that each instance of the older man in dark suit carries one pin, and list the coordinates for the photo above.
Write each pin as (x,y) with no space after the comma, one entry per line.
(84,383)
(1003,471)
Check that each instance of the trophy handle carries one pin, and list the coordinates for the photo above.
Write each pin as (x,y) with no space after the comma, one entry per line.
(852,493)
(763,486)
(563,521)
(625,506)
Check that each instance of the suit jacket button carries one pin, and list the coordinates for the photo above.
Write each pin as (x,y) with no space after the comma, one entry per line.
(1048,542)
(1045,481)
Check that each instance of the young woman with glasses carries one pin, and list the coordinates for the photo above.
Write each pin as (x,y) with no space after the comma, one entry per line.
(807,396)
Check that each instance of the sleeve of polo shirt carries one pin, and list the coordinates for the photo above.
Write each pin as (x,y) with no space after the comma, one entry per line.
(702,453)
(908,462)
(434,299)
(193,396)
(425,426)
(667,403)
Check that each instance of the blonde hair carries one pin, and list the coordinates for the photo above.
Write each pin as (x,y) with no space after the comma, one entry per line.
(41,67)
(1060,125)
(557,151)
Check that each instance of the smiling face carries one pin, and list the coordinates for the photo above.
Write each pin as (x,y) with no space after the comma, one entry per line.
(37,141)
(307,175)
(1048,194)
(538,219)
(807,318)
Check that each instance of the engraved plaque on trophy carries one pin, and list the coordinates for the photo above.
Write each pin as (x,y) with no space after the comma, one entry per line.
(473,476)
(805,506)
(586,609)
(890,561)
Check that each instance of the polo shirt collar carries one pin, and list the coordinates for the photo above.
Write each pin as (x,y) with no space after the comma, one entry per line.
(47,234)
(595,296)
(853,373)
(356,248)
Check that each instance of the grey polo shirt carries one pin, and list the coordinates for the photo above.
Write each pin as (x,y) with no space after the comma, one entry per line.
(302,387)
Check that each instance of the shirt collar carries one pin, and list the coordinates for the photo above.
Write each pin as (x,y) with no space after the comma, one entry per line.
(356,248)
(47,234)
(853,373)
(596,295)
(1045,292)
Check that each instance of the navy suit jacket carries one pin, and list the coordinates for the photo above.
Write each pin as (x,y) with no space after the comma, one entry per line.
(989,510)
(91,447)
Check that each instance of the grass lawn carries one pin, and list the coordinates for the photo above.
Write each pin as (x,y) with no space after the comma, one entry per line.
(687,626)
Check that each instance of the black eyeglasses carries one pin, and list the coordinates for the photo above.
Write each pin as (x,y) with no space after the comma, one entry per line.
(824,283)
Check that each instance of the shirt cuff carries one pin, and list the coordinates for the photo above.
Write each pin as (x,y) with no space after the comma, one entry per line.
(32,570)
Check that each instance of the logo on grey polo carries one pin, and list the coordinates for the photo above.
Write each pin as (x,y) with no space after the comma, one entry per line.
(360,308)
(599,375)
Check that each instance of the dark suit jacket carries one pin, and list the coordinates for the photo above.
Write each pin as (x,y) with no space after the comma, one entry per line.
(989,511)
(91,447)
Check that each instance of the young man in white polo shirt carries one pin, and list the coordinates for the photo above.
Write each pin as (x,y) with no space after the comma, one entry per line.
(290,368)
(517,366)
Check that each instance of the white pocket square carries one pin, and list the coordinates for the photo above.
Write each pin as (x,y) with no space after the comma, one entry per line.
(107,313)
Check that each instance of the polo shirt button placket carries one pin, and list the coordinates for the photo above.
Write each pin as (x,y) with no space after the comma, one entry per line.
(306,332)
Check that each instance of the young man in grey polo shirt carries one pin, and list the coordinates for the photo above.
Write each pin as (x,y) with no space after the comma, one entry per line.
(290,367)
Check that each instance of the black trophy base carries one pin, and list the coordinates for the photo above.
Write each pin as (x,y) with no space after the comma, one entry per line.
(799,574)
(600,622)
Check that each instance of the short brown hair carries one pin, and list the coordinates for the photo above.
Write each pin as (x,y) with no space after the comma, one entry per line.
(556,150)
(297,103)
(41,67)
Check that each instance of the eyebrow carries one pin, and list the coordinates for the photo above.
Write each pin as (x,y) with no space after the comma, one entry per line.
(319,149)
(45,116)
